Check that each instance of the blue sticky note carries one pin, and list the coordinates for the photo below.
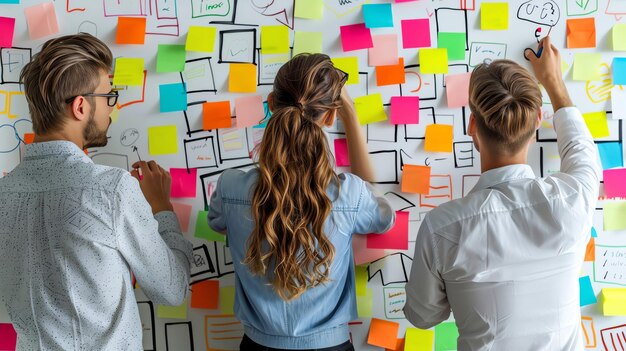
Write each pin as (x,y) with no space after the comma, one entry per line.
(377,15)
(619,71)
(173,97)
(594,234)
(9,1)
(587,296)
(611,155)
(267,115)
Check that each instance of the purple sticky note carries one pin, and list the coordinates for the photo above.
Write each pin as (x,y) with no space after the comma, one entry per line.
(457,89)
(183,182)
(7,26)
(249,111)
(405,110)
(397,238)
(614,184)
(8,337)
(355,37)
(341,153)
(42,20)
(415,33)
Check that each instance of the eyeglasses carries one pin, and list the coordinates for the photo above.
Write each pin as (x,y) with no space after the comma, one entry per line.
(111,97)
(345,76)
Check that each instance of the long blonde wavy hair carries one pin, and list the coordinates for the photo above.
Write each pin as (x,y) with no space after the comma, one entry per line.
(290,203)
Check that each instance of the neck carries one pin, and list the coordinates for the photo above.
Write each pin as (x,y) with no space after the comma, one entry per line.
(489,162)
(63,135)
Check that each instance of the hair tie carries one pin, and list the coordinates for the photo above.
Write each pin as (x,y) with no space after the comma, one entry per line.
(300,107)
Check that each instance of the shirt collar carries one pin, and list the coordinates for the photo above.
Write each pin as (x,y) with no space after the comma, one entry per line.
(54,148)
(502,175)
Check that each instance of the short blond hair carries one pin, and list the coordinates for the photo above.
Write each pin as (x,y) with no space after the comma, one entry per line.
(505,101)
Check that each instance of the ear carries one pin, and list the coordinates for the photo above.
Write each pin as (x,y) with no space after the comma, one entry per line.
(270,101)
(471,128)
(329,118)
(538,120)
(80,108)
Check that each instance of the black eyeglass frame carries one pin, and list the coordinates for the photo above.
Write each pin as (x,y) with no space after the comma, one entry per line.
(113,94)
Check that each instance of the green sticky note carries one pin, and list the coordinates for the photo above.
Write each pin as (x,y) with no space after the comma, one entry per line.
(619,37)
(364,304)
(171,58)
(204,231)
(494,16)
(128,71)
(614,218)
(312,9)
(446,335)
(178,312)
(274,40)
(370,109)
(419,339)
(349,65)
(227,299)
(587,66)
(310,42)
(454,42)
(361,280)
(201,39)
(433,61)
(162,140)
(597,124)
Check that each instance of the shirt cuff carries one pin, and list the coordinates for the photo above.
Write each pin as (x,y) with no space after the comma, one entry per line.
(168,222)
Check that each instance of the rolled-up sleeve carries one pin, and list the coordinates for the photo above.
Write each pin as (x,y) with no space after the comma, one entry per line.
(374,213)
(216,216)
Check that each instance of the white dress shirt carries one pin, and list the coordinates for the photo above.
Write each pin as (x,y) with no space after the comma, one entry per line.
(507,257)
(71,233)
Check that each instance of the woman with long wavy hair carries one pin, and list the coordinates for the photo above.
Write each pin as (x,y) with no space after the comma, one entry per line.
(290,220)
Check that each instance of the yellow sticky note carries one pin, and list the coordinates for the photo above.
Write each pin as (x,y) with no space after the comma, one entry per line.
(587,66)
(597,124)
(438,138)
(179,312)
(612,301)
(201,39)
(312,9)
(274,40)
(434,61)
(227,299)
(310,42)
(370,109)
(128,71)
(242,78)
(162,140)
(419,339)
(364,304)
(494,16)
(614,218)
(360,280)
(619,37)
(349,65)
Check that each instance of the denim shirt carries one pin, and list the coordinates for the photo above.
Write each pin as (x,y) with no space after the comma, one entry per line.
(319,317)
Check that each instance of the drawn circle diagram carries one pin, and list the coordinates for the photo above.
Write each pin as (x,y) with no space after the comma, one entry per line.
(10,134)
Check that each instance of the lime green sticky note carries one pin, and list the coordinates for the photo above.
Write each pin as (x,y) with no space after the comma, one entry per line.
(433,61)
(597,124)
(179,312)
(454,42)
(201,39)
(204,231)
(274,40)
(312,9)
(162,140)
(446,335)
(494,16)
(171,58)
(227,299)
(310,42)
(419,339)
(360,280)
(128,71)
(370,109)
(587,66)
(619,37)
(614,218)
(349,65)
(364,304)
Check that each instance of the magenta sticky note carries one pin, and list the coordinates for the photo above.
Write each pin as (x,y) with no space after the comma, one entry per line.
(7,27)
(405,110)
(457,89)
(183,182)
(249,111)
(355,37)
(42,20)
(614,184)
(183,213)
(341,153)
(397,238)
(8,337)
(415,33)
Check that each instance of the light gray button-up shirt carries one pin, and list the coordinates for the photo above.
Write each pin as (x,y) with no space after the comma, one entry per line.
(71,232)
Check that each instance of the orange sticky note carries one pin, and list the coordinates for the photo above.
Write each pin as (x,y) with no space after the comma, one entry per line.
(581,33)
(29,138)
(399,345)
(438,138)
(131,30)
(415,179)
(590,252)
(383,333)
(242,78)
(216,115)
(205,294)
(392,74)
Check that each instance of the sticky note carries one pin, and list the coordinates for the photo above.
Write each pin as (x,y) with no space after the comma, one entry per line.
(494,16)
(587,66)
(349,65)
(377,15)
(581,33)
(183,182)
(385,50)
(415,33)
(249,110)
(364,304)
(130,30)
(227,299)
(618,96)
(433,61)
(355,37)
(612,301)
(242,78)
(614,184)
(8,336)
(311,9)
(619,37)
(590,250)
(274,39)
(177,312)
(587,296)
(614,218)
(597,124)
(204,231)
(183,213)
(397,238)
(419,339)
(361,253)
(619,71)
(360,280)
(611,155)
(128,71)
(383,333)
(216,115)
(390,75)
(171,58)
(454,43)
(399,345)
(162,140)
(438,138)
(42,20)
(310,42)
(457,89)
(29,138)
(205,294)
(201,39)
(594,233)
(446,335)
(369,108)
(415,179)
(7,27)
(9,1)
(173,97)
(342,158)
(405,110)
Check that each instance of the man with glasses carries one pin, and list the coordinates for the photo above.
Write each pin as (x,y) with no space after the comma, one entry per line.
(73,231)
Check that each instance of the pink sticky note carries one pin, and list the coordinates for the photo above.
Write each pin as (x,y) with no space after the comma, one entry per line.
(361,253)
(355,37)
(341,153)
(614,184)
(385,50)
(405,110)
(183,212)
(457,89)
(42,20)
(7,26)
(8,337)
(183,182)
(397,238)
(415,33)
(249,110)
